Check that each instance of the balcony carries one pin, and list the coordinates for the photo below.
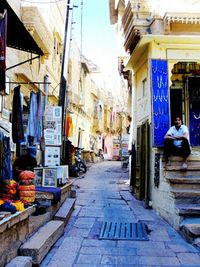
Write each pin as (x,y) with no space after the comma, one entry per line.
(75,99)
(36,26)
(135,23)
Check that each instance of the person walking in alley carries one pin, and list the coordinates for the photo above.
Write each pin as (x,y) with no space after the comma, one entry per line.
(176,142)
(108,144)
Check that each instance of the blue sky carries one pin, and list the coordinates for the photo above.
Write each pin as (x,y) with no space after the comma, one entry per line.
(98,37)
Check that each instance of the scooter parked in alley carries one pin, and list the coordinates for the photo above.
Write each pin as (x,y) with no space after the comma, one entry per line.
(79,166)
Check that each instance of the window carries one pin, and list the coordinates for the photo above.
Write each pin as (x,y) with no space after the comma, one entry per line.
(144,87)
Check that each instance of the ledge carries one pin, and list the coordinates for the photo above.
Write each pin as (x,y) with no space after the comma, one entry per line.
(50,196)
(13,219)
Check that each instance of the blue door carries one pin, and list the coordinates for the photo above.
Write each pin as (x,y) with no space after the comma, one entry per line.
(160,100)
(194,109)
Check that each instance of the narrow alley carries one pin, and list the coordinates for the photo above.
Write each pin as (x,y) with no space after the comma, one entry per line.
(102,195)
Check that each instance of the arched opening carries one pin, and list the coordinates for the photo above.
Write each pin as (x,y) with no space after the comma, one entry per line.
(185,97)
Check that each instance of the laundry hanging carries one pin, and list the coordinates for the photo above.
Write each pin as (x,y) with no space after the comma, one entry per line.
(35,119)
(5,157)
(17,119)
(39,116)
(69,126)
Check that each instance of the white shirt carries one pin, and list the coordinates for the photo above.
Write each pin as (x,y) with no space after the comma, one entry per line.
(181,131)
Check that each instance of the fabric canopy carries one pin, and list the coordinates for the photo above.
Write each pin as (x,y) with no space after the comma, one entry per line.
(17,35)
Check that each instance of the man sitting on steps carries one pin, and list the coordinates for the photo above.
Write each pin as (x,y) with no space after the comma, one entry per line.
(176,142)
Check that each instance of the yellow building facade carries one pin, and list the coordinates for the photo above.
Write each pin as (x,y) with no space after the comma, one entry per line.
(161,42)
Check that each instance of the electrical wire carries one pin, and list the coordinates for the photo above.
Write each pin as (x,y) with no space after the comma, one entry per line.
(37,2)
(81,45)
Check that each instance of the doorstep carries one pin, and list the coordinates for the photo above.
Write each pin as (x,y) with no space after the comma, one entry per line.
(46,199)
(16,228)
(49,196)
(15,218)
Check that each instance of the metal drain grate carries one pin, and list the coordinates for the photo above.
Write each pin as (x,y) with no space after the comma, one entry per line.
(125,231)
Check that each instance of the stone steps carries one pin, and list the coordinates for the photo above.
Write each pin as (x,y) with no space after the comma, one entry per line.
(189,174)
(39,244)
(185,193)
(177,167)
(35,222)
(185,186)
(183,180)
(196,242)
(190,228)
(65,210)
(188,209)
(20,261)
(176,162)
(191,158)
(185,190)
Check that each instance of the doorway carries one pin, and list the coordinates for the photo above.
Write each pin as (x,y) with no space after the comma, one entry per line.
(185,97)
(142,180)
(193,84)
(176,104)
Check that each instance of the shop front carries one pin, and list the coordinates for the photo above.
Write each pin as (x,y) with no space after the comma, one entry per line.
(168,73)
(33,198)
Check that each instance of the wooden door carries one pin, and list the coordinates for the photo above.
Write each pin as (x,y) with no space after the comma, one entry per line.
(142,163)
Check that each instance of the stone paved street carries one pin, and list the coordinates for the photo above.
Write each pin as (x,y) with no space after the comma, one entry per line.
(103,195)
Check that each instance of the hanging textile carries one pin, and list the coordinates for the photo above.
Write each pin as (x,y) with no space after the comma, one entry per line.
(39,116)
(35,119)
(5,157)
(69,126)
(3,43)
(17,119)
(108,145)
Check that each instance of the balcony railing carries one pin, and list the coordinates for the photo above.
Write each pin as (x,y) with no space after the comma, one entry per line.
(135,22)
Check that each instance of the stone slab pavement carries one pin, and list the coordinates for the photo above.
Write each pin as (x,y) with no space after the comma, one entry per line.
(103,195)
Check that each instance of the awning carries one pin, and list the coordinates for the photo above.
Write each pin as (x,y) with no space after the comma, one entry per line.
(17,35)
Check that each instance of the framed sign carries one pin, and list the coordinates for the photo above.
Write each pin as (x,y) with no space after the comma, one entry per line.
(38,176)
(49,177)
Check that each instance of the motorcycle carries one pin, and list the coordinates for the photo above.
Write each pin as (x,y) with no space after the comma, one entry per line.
(100,154)
(79,166)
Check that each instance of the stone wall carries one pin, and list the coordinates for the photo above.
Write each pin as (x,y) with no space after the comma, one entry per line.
(13,231)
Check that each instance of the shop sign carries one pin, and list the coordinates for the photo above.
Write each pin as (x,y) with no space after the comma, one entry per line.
(52,125)
(116,148)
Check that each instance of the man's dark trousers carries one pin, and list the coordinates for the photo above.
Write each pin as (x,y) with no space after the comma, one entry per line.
(171,149)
